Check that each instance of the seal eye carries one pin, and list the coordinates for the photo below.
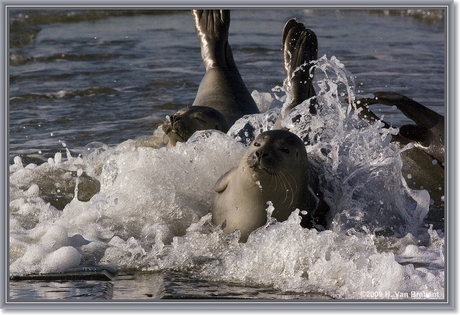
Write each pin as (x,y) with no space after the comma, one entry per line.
(284,150)
(256,144)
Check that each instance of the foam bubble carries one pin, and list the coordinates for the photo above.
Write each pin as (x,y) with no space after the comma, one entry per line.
(61,260)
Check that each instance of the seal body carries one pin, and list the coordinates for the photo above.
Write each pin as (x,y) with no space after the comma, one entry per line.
(222,89)
(274,169)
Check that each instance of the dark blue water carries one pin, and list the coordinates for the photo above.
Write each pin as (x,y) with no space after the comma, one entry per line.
(80,76)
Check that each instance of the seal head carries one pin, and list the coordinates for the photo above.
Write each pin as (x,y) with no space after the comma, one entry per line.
(181,126)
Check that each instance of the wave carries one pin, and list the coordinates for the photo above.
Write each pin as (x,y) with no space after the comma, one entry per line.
(96,90)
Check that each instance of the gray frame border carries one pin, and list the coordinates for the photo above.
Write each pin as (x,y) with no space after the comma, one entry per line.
(186,305)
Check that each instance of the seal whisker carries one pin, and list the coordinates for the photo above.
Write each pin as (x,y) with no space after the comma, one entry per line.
(277,178)
(289,189)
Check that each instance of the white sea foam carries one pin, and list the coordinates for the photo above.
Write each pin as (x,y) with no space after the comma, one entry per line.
(152,210)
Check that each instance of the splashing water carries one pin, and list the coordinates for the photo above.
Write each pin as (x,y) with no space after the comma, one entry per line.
(149,208)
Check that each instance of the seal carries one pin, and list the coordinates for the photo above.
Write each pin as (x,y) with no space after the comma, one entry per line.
(423,164)
(300,51)
(273,169)
(182,125)
(427,133)
(221,87)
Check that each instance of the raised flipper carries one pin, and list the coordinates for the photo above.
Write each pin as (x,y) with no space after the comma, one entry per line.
(420,114)
(300,50)
(212,30)
(365,113)
(428,133)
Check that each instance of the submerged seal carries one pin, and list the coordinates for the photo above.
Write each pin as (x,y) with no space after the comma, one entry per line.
(274,169)
(222,87)
(423,164)
(427,133)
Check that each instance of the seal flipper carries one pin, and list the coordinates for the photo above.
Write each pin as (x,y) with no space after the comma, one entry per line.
(366,113)
(212,30)
(429,131)
(222,86)
(420,114)
(287,27)
(300,49)
(223,181)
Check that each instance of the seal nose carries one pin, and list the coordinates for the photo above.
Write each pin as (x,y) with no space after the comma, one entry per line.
(255,159)
(261,154)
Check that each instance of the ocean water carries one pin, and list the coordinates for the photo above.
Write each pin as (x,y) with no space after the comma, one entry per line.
(88,196)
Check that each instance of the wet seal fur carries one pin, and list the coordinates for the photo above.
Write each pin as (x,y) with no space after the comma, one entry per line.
(222,87)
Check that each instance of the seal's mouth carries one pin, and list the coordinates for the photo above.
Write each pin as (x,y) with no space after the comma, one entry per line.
(176,135)
(253,162)
(257,166)
(260,166)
